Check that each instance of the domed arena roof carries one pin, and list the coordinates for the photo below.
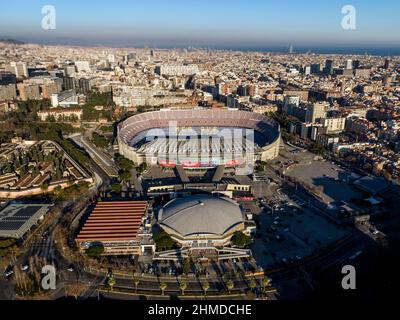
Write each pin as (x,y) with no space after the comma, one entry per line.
(201,214)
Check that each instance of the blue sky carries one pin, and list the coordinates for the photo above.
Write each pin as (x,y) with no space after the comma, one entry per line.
(214,23)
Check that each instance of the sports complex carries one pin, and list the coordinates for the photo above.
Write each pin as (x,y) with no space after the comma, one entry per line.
(199,138)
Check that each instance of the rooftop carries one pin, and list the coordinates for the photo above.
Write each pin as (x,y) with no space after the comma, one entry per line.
(201,214)
(113,221)
(17,219)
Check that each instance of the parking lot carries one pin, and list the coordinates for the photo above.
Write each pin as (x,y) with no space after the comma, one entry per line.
(291,231)
(211,268)
(333,180)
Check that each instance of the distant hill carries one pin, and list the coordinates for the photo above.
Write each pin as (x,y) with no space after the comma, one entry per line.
(11,41)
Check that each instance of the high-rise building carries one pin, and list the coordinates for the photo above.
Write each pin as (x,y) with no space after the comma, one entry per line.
(242,91)
(387,64)
(7,78)
(315,112)
(130,57)
(28,91)
(8,92)
(85,85)
(349,64)
(252,89)
(70,83)
(222,88)
(315,68)
(18,68)
(82,66)
(329,67)
(356,64)
(289,104)
(50,88)
(111,58)
(69,70)
(333,125)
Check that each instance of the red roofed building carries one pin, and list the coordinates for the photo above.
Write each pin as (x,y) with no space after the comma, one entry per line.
(118,226)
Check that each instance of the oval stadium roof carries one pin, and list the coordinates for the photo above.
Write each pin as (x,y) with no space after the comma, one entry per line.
(201,214)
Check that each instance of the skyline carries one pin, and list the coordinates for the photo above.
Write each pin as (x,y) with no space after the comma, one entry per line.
(209,151)
(252,25)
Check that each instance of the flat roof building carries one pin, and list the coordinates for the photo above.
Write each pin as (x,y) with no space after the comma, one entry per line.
(117,226)
(18,219)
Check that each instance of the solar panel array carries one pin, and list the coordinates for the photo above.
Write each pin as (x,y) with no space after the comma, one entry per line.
(16,219)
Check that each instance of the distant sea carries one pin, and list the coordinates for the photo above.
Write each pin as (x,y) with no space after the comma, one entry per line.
(381,50)
(326,50)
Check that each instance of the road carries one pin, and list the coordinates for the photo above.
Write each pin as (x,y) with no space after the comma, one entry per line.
(103,160)
(151,284)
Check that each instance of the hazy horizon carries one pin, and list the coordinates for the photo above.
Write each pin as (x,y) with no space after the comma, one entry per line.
(251,25)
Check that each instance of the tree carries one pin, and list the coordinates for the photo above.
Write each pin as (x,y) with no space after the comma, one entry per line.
(44,187)
(95,251)
(186,265)
(142,168)
(136,281)
(124,175)
(111,282)
(123,163)
(226,276)
(239,239)
(230,285)
(163,286)
(266,282)
(163,241)
(183,286)
(206,286)
(99,140)
(116,187)
(252,284)
(318,149)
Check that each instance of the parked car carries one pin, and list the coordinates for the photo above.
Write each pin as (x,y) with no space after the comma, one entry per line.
(9,271)
(25,267)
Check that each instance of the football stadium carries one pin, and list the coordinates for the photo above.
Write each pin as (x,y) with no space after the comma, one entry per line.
(199,138)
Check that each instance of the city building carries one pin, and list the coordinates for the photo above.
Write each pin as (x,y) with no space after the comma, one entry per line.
(64,99)
(61,114)
(17,219)
(29,91)
(203,221)
(329,67)
(315,112)
(18,68)
(82,66)
(119,226)
(7,78)
(333,125)
(8,92)
(176,70)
